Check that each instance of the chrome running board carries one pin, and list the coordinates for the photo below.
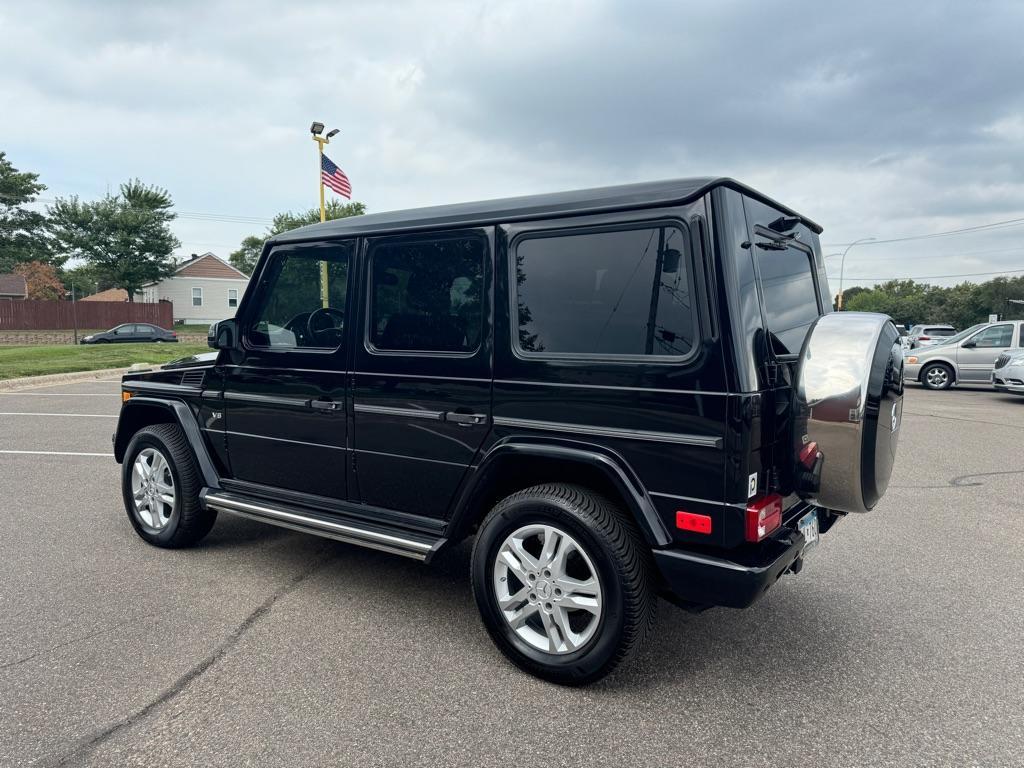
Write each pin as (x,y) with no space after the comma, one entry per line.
(416,546)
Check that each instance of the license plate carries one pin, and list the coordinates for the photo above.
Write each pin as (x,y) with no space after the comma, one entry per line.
(808,527)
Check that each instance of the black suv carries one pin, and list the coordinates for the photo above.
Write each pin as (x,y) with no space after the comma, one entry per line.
(621,393)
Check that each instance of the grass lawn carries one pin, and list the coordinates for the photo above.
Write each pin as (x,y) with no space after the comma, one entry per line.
(18,361)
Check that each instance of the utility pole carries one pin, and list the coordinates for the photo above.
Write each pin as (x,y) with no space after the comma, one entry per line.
(652,315)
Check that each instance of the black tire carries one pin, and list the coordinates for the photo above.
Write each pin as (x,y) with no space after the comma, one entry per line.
(188,522)
(942,377)
(620,556)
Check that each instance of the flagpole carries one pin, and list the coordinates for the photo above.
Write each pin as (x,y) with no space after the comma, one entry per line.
(325,299)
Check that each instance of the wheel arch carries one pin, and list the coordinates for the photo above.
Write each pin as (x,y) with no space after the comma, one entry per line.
(513,465)
(140,412)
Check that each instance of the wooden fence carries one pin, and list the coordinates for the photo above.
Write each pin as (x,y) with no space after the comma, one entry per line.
(95,315)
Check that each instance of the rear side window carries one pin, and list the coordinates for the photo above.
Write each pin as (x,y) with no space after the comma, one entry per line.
(425,294)
(622,292)
(790,296)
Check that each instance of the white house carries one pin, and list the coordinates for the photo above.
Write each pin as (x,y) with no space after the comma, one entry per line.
(204,289)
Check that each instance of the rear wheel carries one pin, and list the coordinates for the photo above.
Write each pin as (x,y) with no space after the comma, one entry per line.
(563,582)
(937,376)
(160,483)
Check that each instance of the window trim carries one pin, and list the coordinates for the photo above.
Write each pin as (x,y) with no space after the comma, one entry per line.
(194,297)
(245,321)
(370,250)
(688,257)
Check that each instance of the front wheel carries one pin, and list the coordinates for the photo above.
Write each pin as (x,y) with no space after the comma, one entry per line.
(937,376)
(160,482)
(564,583)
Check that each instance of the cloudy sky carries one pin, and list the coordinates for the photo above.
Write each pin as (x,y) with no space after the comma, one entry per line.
(876,119)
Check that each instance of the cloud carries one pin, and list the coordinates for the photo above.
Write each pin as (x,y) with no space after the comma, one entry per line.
(873,118)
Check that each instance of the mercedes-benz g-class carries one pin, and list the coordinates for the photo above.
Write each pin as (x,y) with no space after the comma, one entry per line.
(619,393)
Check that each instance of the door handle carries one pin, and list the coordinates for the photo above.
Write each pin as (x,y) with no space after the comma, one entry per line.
(465,419)
(324,405)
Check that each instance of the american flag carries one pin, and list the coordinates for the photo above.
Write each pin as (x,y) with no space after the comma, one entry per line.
(334,177)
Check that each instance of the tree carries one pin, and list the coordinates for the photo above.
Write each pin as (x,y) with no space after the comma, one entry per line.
(42,279)
(22,232)
(84,279)
(246,256)
(963,305)
(125,238)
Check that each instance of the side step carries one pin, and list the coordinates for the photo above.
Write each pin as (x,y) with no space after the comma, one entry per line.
(415,545)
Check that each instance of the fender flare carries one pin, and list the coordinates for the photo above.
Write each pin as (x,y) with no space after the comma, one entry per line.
(180,414)
(609,463)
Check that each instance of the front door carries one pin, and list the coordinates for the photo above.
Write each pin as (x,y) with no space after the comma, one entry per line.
(422,396)
(977,354)
(284,399)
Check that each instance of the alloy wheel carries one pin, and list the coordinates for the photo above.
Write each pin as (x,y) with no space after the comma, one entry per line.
(152,489)
(547,589)
(937,377)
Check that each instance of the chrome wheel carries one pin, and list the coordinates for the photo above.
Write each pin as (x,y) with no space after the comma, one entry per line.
(937,377)
(548,589)
(152,489)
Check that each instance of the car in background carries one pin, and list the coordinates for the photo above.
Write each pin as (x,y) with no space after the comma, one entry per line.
(926,335)
(1008,374)
(968,357)
(131,332)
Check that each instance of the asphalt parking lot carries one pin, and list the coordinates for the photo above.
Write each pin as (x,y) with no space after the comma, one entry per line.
(899,644)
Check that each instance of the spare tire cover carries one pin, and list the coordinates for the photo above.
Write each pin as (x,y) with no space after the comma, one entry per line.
(849,401)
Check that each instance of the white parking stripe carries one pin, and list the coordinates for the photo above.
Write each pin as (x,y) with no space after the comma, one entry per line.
(82,415)
(59,394)
(58,453)
(65,383)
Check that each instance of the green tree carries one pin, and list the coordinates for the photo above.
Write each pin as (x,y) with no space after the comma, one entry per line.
(246,256)
(126,238)
(22,232)
(84,278)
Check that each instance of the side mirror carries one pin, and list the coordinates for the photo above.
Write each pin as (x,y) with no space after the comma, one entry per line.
(223,334)
(969,344)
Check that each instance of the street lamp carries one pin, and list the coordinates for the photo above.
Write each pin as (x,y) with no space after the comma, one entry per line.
(317,128)
(842,265)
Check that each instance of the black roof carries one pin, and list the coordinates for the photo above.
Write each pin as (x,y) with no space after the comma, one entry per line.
(574,203)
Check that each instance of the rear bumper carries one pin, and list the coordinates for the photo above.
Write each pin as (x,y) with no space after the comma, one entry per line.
(702,580)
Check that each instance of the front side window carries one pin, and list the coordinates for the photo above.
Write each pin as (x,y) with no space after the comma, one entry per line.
(197,297)
(790,296)
(124,330)
(996,336)
(621,292)
(300,302)
(425,295)
(232,297)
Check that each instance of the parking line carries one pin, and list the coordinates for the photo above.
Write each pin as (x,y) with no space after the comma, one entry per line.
(58,453)
(82,415)
(58,394)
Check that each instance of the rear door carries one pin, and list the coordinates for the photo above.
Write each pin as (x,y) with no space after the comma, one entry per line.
(422,382)
(976,356)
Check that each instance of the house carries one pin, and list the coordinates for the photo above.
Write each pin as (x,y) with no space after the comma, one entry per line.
(111,294)
(13,288)
(203,289)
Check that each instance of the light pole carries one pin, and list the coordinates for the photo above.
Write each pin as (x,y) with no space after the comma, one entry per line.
(842,266)
(317,129)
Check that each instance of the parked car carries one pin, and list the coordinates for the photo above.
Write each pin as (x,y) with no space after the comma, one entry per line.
(620,392)
(131,332)
(1008,374)
(968,357)
(927,335)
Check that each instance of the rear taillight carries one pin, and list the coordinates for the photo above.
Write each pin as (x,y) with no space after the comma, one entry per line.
(924,338)
(764,515)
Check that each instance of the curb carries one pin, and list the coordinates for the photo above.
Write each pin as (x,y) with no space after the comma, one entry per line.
(27,382)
